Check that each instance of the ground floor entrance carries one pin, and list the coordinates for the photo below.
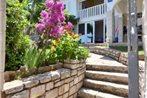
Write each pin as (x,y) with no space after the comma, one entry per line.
(99,33)
(92,32)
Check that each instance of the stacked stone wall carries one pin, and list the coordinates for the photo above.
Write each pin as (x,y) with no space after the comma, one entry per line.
(117,55)
(61,83)
(121,57)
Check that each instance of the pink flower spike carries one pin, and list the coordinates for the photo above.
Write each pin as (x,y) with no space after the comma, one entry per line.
(44,14)
(70,25)
(40,27)
(49,3)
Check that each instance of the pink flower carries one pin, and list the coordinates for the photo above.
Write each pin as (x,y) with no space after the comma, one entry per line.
(52,19)
(40,27)
(49,3)
(62,18)
(44,14)
(61,30)
(68,26)
(59,6)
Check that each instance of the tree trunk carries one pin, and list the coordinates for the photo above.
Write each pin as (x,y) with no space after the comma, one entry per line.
(133,67)
(145,41)
(2,42)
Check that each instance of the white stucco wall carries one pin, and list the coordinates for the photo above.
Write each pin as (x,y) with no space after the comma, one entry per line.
(66,3)
(71,6)
(110,5)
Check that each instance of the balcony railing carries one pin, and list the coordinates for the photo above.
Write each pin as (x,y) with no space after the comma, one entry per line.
(92,11)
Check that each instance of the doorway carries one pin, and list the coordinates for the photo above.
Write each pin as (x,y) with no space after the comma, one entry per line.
(99,36)
(90,32)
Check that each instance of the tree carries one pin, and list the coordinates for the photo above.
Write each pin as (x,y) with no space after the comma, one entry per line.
(133,50)
(2,42)
(145,41)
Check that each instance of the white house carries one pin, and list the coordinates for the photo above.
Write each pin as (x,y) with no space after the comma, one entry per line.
(104,19)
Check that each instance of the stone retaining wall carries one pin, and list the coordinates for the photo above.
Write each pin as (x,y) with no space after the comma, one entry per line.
(117,55)
(61,83)
(121,57)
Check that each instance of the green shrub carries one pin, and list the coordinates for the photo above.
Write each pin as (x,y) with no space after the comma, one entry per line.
(70,18)
(51,56)
(16,41)
(68,48)
(82,53)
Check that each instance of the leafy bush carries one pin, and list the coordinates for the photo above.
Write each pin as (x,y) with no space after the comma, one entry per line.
(16,42)
(51,56)
(56,43)
(82,53)
(34,7)
(70,18)
(68,47)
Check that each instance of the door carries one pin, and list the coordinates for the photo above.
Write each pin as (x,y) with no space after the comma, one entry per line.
(90,32)
(99,35)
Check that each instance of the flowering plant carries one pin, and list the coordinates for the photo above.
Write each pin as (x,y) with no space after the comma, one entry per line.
(56,34)
(68,46)
(51,24)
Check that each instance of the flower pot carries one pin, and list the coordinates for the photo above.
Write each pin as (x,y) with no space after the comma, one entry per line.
(73,64)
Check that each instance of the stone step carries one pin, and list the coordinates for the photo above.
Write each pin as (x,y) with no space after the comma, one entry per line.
(113,88)
(89,93)
(121,78)
(107,68)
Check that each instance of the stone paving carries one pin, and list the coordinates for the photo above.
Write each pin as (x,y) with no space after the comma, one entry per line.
(102,60)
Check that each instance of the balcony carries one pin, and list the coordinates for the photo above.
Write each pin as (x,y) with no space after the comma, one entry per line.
(92,11)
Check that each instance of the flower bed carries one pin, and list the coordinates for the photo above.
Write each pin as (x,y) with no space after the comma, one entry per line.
(56,42)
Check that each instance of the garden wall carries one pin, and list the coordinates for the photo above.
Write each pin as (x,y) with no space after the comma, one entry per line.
(122,57)
(61,83)
(117,55)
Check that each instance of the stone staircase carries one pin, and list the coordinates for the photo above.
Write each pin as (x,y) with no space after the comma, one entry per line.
(105,78)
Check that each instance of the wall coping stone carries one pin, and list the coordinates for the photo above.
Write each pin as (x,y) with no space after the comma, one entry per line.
(14,86)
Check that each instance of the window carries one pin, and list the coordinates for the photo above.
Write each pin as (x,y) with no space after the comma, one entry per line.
(64,6)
